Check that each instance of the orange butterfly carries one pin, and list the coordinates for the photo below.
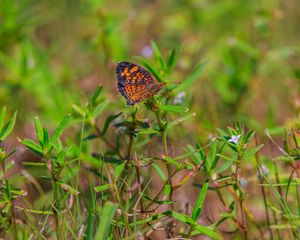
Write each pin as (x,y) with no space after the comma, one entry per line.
(135,83)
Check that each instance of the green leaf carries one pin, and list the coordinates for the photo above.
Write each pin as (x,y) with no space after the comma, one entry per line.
(216,157)
(148,131)
(207,231)
(108,213)
(167,189)
(78,109)
(198,206)
(61,127)
(249,135)
(35,164)
(251,152)
(188,82)
(182,217)
(222,133)
(160,172)
(230,159)
(99,108)
(8,127)
(33,146)
(180,120)
(158,55)
(171,59)
(39,129)
(172,161)
(176,109)
(224,167)
(91,216)
(2,115)
(102,188)
(108,120)
(46,139)
(119,169)
(36,211)
(212,155)
(200,229)
(95,95)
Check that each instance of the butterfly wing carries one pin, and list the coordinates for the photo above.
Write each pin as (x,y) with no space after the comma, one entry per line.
(148,92)
(135,83)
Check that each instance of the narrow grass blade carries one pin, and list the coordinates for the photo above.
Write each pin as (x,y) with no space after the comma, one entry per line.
(100,108)
(102,188)
(179,120)
(95,95)
(89,232)
(160,172)
(198,207)
(39,129)
(61,127)
(158,55)
(108,121)
(33,146)
(8,127)
(252,151)
(107,215)
(2,115)
(176,109)
(186,84)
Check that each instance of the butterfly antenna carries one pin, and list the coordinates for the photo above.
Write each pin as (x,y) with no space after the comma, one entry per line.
(176,83)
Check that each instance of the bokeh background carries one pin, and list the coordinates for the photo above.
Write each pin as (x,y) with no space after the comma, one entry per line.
(55,52)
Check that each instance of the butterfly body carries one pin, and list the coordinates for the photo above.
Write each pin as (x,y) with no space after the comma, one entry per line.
(135,83)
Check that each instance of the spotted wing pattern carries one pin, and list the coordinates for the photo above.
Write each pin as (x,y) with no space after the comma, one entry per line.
(135,83)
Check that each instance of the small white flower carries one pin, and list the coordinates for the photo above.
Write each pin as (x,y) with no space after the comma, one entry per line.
(179,98)
(234,139)
(147,51)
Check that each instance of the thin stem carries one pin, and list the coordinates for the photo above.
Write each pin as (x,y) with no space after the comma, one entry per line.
(265,202)
(163,131)
(240,197)
(161,190)
(56,200)
(139,186)
(122,208)
(258,164)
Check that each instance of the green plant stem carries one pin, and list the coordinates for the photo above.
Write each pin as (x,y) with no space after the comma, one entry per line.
(12,218)
(122,208)
(139,186)
(56,200)
(161,190)
(264,199)
(163,131)
(240,198)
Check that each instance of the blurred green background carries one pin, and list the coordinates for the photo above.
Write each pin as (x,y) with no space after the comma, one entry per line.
(53,53)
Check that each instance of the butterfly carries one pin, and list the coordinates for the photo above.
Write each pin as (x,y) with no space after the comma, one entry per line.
(135,83)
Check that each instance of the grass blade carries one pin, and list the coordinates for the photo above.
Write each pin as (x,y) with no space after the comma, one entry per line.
(2,115)
(198,206)
(61,127)
(107,215)
(190,79)
(8,127)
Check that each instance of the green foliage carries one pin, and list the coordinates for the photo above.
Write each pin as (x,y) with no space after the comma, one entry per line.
(167,167)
